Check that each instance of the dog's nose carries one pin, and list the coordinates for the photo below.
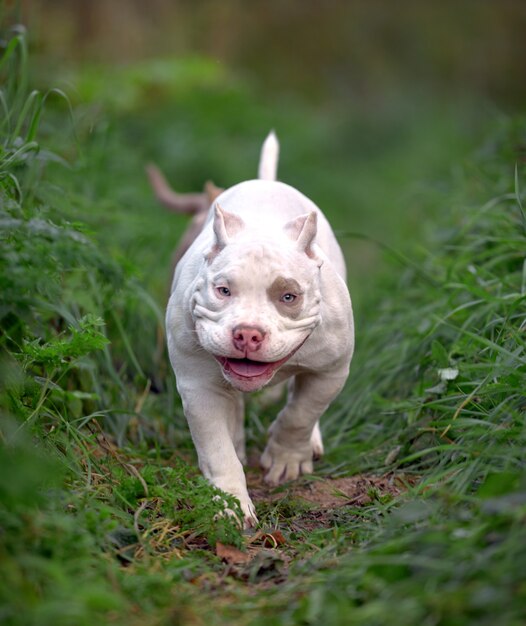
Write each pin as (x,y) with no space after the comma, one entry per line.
(247,338)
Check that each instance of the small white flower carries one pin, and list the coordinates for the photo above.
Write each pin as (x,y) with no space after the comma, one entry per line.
(448,373)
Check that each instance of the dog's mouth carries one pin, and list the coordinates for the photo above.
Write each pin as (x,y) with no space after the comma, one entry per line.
(247,368)
(247,374)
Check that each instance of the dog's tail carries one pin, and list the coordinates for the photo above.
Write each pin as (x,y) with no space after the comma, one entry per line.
(189,203)
(268,161)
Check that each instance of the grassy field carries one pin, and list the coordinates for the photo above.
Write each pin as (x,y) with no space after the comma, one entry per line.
(416,516)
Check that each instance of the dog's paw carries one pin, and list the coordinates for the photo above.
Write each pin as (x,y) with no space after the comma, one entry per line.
(249,513)
(249,519)
(283,463)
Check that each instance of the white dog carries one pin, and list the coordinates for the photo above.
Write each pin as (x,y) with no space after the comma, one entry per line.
(259,297)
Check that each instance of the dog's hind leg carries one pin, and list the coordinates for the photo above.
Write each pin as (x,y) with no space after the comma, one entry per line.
(316,442)
(236,427)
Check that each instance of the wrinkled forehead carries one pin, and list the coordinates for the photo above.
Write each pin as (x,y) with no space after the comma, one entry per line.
(261,261)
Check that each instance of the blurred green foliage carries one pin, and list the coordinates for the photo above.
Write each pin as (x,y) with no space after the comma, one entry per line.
(59,382)
(357,52)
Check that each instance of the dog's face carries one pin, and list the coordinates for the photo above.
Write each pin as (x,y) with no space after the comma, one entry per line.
(257,301)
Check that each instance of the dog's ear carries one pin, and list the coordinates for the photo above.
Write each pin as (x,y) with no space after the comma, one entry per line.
(226,225)
(303,230)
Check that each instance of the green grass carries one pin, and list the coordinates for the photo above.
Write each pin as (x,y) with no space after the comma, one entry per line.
(103,515)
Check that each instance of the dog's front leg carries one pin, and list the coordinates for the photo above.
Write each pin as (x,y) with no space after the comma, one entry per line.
(289,451)
(212,413)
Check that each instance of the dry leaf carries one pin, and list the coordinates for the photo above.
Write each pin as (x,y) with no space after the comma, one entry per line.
(231,554)
(273,539)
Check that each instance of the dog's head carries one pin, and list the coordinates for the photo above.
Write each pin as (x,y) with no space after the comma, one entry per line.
(259,299)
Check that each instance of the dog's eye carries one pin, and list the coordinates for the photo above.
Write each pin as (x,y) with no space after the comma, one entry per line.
(223,291)
(288,298)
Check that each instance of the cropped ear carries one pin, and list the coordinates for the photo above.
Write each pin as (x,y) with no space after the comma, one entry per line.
(303,230)
(226,225)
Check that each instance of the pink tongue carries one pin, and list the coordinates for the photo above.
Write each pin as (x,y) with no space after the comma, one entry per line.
(248,368)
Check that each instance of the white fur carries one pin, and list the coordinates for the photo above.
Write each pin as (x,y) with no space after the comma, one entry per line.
(259,231)
(268,162)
